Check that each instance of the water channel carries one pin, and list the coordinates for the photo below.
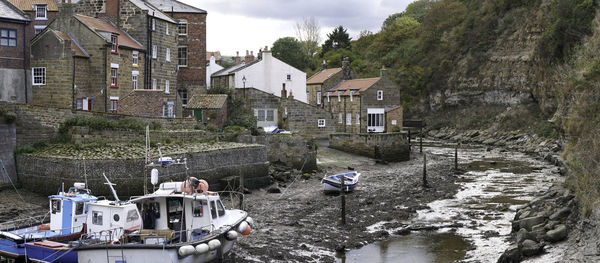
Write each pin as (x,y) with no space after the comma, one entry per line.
(474,225)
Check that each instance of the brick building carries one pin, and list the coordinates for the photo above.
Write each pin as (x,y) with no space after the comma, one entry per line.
(191,45)
(361,105)
(154,30)
(41,13)
(14,43)
(84,63)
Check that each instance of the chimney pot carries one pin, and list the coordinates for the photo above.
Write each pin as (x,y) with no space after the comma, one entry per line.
(283,91)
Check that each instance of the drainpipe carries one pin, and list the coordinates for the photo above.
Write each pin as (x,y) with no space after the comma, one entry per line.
(148,66)
(105,79)
(25,60)
(73,85)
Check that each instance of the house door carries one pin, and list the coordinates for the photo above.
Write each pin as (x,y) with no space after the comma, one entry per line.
(375,120)
(84,104)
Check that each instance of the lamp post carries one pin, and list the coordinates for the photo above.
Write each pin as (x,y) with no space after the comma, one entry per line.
(244,81)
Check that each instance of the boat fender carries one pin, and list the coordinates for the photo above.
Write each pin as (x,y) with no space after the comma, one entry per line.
(214,244)
(247,232)
(250,221)
(43,227)
(232,235)
(186,250)
(202,248)
(242,227)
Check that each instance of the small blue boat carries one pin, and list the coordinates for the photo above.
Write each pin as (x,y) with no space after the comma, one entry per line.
(332,183)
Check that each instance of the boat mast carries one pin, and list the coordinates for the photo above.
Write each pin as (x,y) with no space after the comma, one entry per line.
(111,187)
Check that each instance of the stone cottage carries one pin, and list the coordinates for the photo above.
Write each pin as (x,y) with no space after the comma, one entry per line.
(84,63)
(40,12)
(361,105)
(14,52)
(210,109)
(320,82)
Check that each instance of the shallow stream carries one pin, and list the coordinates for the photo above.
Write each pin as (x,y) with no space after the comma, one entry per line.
(474,225)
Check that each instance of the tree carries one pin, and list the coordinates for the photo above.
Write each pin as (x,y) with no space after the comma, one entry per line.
(338,39)
(290,50)
(308,32)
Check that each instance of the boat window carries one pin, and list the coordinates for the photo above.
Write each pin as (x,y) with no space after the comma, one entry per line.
(97,218)
(132,215)
(55,206)
(78,208)
(198,208)
(220,208)
(175,213)
(213,211)
(116,217)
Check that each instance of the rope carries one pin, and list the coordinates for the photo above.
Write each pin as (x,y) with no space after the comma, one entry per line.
(17,191)
(295,178)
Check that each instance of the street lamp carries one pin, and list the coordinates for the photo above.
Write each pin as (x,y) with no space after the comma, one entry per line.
(244,81)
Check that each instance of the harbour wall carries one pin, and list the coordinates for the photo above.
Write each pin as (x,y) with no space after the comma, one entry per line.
(292,151)
(8,144)
(391,147)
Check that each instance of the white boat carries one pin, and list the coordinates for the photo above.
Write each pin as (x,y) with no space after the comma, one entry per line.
(182,222)
(332,183)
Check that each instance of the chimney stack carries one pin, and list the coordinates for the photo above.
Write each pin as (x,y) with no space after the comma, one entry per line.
(237,60)
(346,72)
(383,72)
(324,65)
(283,91)
(249,57)
(291,96)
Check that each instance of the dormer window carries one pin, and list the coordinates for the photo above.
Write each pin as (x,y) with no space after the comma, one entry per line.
(40,12)
(115,44)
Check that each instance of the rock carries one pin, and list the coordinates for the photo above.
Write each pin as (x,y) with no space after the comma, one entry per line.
(538,227)
(522,235)
(511,255)
(274,190)
(531,248)
(403,232)
(558,234)
(340,249)
(306,176)
(490,233)
(560,214)
(529,222)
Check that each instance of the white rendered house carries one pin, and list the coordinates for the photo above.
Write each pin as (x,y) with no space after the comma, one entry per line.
(211,68)
(267,74)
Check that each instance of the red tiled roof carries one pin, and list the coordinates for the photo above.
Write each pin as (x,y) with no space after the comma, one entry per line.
(142,102)
(207,101)
(357,85)
(27,5)
(322,76)
(100,25)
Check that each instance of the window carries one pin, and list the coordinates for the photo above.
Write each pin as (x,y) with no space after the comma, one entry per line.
(167,28)
(166,86)
(135,58)
(339,93)
(78,208)
(113,104)
(321,123)
(318,98)
(154,51)
(132,215)
(39,76)
(56,206)
(289,77)
(170,110)
(182,27)
(154,84)
(261,115)
(348,118)
(116,217)
(97,218)
(198,208)
(328,93)
(184,97)
(113,77)
(351,95)
(270,115)
(8,37)
(79,104)
(380,95)
(213,209)
(340,118)
(182,56)
(40,12)
(115,44)
(134,79)
(375,119)
(358,118)
(168,55)
(153,24)
(38,29)
(220,208)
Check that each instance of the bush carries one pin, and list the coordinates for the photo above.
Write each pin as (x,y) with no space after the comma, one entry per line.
(25,149)
(211,128)
(104,124)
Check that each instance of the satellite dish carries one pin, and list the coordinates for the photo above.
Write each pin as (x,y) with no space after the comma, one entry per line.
(154,176)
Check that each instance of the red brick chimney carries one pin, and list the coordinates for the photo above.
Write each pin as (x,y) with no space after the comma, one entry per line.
(112,11)
(291,96)
(237,60)
(283,91)
(249,57)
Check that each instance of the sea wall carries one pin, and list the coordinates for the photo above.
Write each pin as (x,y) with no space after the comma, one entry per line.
(87,135)
(293,151)
(8,143)
(392,147)
(45,175)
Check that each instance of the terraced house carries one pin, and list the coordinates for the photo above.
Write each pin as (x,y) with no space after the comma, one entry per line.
(14,43)
(40,12)
(155,31)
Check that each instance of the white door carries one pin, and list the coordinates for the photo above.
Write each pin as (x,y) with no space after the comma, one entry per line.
(79,216)
(375,120)
(84,104)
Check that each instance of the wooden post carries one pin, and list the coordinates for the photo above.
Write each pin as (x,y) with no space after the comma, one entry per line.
(343,196)
(424,170)
(421,141)
(456,157)
(409,142)
(241,190)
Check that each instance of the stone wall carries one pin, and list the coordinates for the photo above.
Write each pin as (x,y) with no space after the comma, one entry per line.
(45,175)
(288,150)
(385,146)
(8,143)
(85,135)
(37,123)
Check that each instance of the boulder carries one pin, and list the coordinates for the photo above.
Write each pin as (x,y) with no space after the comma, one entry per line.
(560,214)
(529,222)
(558,234)
(531,248)
(511,255)
(522,235)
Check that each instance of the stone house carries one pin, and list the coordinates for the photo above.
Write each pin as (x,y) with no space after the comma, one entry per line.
(40,12)
(210,109)
(267,74)
(361,105)
(321,82)
(15,81)
(154,30)
(84,63)
(191,45)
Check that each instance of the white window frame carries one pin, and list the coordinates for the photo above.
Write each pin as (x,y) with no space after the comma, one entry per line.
(339,96)
(321,123)
(38,27)
(348,118)
(167,86)
(318,98)
(380,95)
(114,80)
(134,79)
(135,57)
(170,111)
(340,118)
(184,97)
(168,55)
(35,9)
(154,51)
(182,23)
(43,76)
(154,84)
(358,118)
(116,104)
(114,40)
(167,29)
(328,93)
(153,24)
(351,95)
(179,58)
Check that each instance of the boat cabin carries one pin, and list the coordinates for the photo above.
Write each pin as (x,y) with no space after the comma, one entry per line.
(110,220)
(68,210)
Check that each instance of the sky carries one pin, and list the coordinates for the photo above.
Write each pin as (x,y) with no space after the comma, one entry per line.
(240,25)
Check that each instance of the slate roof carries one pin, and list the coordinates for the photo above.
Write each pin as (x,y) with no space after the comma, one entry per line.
(176,6)
(322,76)
(100,25)
(234,69)
(152,10)
(142,102)
(207,101)
(27,5)
(356,85)
(10,12)
(79,51)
